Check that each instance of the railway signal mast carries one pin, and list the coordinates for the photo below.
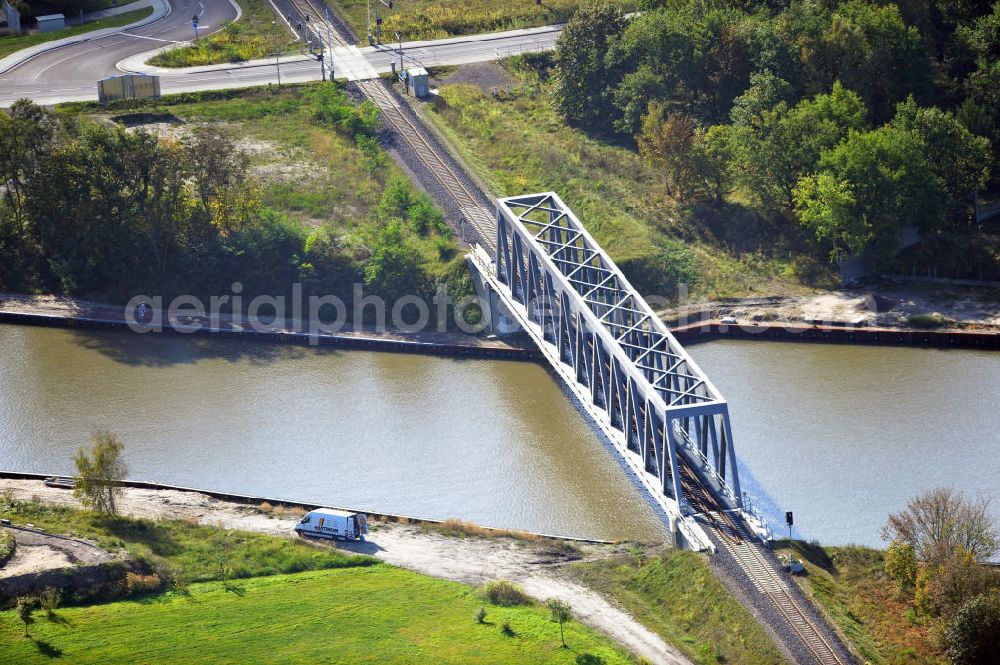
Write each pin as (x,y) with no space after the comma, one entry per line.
(375,38)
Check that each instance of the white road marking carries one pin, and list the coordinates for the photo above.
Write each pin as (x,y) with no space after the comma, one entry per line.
(62,60)
(155,39)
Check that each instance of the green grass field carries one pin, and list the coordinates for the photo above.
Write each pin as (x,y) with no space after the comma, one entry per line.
(518,144)
(372,615)
(14,43)
(251,37)
(437,19)
(677,596)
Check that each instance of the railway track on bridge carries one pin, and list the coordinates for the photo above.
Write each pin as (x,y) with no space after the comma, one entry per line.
(476,221)
(747,554)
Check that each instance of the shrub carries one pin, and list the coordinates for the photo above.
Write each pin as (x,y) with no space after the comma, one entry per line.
(589,659)
(506,594)
(971,635)
(901,564)
(7,546)
(136,584)
(481,615)
(49,600)
(506,629)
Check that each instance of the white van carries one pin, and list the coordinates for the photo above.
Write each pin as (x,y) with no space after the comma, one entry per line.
(330,523)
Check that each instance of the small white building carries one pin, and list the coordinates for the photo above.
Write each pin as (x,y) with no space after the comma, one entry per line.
(416,81)
(51,22)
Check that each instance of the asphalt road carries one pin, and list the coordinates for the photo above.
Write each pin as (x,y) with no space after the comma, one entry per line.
(69,74)
(70,69)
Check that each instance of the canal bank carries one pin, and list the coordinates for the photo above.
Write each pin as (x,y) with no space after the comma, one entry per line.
(61,312)
(705,331)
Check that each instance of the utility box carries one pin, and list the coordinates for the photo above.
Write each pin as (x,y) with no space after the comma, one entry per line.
(416,81)
(128,86)
(51,22)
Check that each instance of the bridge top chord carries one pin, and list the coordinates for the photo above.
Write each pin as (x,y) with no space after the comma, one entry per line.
(616,308)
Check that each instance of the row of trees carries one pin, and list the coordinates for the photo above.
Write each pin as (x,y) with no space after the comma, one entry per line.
(99,211)
(851,119)
(937,554)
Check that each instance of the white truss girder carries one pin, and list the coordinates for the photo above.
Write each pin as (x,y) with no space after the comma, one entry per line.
(598,325)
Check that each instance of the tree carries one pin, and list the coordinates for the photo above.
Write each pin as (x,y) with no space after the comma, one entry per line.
(971,635)
(960,159)
(900,564)
(938,522)
(582,81)
(826,206)
(866,46)
(560,612)
(773,150)
(671,142)
(98,481)
(868,187)
(947,584)
(394,268)
(25,607)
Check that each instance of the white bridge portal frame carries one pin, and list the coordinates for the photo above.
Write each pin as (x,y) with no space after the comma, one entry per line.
(623,358)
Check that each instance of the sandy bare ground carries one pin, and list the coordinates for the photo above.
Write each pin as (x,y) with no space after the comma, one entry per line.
(535,566)
(35,558)
(891,307)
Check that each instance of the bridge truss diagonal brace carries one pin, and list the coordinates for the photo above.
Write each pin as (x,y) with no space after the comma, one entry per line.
(634,370)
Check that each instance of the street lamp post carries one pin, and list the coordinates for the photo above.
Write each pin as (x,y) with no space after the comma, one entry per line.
(277,51)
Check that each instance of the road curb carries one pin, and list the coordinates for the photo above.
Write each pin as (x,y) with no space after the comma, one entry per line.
(161,9)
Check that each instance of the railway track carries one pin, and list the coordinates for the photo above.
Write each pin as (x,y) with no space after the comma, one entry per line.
(761,572)
(477,221)
(731,535)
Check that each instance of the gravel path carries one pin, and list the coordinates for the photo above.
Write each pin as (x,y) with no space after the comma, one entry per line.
(535,566)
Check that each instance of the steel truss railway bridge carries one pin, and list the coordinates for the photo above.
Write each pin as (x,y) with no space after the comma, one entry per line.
(668,422)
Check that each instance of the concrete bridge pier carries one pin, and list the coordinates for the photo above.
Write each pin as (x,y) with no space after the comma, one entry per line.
(500,321)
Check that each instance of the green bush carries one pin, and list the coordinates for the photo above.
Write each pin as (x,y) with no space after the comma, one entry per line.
(505,594)
(973,634)
(7,546)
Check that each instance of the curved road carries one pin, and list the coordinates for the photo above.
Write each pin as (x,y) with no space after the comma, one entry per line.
(69,73)
(74,66)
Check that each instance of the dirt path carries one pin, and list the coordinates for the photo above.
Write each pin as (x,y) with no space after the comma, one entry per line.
(535,566)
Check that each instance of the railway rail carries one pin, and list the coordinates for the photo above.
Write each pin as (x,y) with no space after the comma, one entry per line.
(477,223)
(731,535)
(761,572)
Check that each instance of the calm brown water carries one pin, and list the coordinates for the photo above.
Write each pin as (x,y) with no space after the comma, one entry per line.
(840,435)
(494,442)
(843,435)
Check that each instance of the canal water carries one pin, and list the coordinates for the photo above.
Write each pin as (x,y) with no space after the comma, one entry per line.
(493,442)
(844,435)
(840,435)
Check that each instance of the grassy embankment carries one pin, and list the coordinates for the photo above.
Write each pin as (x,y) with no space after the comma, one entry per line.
(437,19)
(851,587)
(251,37)
(363,612)
(307,170)
(14,43)
(181,550)
(519,144)
(677,596)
